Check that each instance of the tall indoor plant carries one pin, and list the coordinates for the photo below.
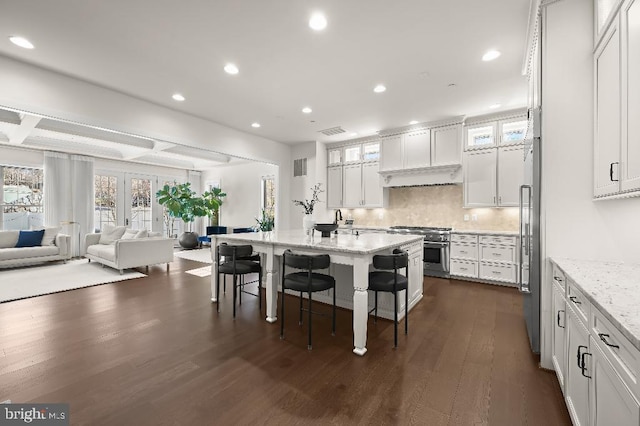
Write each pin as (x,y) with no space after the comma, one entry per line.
(181,202)
(212,200)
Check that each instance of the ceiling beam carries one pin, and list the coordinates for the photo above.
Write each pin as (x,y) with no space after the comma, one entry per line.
(22,132)
(157,146)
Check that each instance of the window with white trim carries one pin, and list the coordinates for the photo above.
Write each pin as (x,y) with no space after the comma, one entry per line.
(22,204)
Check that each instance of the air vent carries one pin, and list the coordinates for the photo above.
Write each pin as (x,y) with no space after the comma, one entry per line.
(300,167)
(333,131)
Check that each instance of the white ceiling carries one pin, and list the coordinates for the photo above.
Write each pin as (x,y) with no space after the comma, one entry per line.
(153,48)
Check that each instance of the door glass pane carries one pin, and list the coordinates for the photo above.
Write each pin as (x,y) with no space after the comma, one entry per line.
(480,136)
(106,195)
(371,152)
(352,154)
(514,132)
(432,255)
(141,204)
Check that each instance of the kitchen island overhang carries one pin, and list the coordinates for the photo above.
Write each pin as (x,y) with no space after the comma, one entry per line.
(356,251)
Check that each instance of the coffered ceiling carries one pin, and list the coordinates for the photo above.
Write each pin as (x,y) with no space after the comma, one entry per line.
(427,54)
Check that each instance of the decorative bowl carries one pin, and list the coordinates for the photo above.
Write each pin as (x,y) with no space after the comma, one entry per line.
(326,228)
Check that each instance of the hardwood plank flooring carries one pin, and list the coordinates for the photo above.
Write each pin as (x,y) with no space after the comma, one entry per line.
(154,351)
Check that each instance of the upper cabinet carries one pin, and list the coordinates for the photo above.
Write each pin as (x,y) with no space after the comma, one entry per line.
(481,136)
(422,149)
(617,105)
(505,129)
(512,131)
(334,157)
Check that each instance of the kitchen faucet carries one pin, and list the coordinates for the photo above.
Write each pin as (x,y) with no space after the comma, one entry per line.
(338,216)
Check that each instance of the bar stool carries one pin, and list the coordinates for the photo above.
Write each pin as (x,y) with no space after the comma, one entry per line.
(391,282)
(239,260)
(308,282)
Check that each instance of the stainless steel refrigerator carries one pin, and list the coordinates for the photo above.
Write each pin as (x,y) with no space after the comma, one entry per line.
(529,278)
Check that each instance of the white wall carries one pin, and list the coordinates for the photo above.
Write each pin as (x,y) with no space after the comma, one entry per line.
(39,91)
(242,183)
(15,156)
(574,225)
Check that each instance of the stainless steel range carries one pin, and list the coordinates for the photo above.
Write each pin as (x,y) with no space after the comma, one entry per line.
(436,247)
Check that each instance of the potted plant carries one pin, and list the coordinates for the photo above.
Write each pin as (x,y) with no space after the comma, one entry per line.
(212,201)
(308,206)
(181,202)
(266,222)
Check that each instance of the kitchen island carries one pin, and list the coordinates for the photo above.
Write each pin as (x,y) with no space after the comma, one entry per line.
(356,251)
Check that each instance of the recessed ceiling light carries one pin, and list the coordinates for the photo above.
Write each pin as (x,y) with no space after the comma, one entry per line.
(256,125)
(318,21)
(307,110)
(354,134)
(494,106)
(490,55)
(178,97)
(21,41)
(412,122)
(379,88)
(231,69)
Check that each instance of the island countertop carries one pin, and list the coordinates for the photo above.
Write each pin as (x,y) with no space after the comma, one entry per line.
(346,243)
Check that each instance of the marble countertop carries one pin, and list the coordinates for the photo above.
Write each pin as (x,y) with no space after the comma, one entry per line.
(365,243)
(476,232)
(612,287)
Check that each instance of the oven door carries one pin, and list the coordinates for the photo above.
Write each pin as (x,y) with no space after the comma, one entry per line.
(436,258)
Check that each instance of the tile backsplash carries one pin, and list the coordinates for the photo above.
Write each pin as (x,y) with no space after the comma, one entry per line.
(437,205)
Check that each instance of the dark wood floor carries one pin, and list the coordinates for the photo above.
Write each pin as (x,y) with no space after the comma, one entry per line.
(154,351)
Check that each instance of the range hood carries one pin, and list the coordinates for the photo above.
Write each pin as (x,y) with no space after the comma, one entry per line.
(435,175)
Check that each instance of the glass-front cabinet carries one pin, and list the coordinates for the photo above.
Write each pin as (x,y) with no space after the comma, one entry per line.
(512,132)
(352,154)
(371,151)
(335,157)
(481,136)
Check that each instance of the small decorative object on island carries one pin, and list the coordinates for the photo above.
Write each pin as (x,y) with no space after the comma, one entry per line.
(308,205)
(181,202)
(266,222)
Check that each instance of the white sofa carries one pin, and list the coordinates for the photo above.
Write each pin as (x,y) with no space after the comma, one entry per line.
(123,254)
(57,248)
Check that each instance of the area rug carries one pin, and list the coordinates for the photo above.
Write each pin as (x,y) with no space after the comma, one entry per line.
(205,271)
(30,281)
(200,255)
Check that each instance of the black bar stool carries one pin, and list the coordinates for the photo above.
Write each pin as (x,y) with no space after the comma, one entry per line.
(308,282)
(239,260)
(391,282)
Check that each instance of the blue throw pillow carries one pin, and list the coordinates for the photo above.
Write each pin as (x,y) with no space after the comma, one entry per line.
(30,238)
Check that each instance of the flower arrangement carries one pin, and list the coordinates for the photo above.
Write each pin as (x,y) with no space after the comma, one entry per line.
(266,222)
(308,205)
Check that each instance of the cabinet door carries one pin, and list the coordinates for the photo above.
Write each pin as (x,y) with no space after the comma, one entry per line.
(558,349)
(611,401)
(576,384)
(446,145)
(352,186)
(513,131)
(630,15)
(417,149)
(607,110)
(352,154)
(391,153)
(334,157)
(371,186)
(480,178)
(510,175)
(371,151)
(481,135)
(334,187)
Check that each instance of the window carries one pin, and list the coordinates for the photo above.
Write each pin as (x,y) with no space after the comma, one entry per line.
(106,195)
(141,204)
(22,197)
(269,195)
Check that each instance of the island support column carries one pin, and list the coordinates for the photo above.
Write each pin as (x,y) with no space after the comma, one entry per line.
(214,268)
(360,304)
(272,285)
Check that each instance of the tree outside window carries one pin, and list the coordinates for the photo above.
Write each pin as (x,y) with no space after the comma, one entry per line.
(22,197)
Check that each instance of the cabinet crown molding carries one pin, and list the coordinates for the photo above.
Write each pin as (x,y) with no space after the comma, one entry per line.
(422,126)
(503,115)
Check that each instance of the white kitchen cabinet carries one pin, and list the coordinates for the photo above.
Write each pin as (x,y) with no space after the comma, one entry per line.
(334,187)
(371,151)
(334,157)
(446,145)
(607,120)
(630,27)
(510,175)
(352,186)
(558,349)
(611,401)
(391,153)
(486,258)
(577,382)
(479,171)
(372,191)
(417,149)
(481,135)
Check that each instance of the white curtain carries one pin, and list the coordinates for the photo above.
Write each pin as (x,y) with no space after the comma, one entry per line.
(69,195)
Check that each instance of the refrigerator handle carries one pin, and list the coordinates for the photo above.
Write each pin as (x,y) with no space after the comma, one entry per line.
(524,236)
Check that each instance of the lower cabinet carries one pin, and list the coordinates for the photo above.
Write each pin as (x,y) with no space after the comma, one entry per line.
(490,258)
(577,379)
(595,391)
